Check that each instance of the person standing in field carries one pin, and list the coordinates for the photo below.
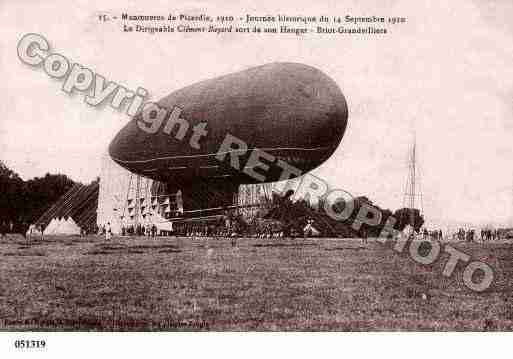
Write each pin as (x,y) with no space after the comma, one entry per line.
(364,237)
(108,232)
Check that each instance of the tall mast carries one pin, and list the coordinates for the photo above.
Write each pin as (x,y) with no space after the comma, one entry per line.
(412,189)
(413,175)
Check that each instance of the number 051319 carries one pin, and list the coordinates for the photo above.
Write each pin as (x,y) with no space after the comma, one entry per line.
(29,344)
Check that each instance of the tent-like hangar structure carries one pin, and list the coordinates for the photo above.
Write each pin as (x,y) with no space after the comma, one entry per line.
(61,226)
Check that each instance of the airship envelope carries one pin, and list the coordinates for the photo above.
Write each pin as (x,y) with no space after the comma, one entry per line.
(293,112)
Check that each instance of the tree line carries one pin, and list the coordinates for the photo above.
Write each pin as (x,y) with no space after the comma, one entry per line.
(23,202)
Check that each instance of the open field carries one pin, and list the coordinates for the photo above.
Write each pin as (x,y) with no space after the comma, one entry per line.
(198,284)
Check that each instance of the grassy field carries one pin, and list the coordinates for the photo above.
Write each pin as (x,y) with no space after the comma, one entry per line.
(198,284)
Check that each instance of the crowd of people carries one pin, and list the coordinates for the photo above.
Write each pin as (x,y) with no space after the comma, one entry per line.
(268,229)
(148,230)
(470,235)
(490,234)
(213,229)
(227,227)
(467,235)
(436,234)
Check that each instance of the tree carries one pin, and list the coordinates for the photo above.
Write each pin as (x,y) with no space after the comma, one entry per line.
(41,193)
(11,201)
(22,203)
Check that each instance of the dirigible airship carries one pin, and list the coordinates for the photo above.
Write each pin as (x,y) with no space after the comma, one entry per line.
(294,113)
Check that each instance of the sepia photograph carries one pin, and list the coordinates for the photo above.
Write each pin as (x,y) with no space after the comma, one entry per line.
(230,167)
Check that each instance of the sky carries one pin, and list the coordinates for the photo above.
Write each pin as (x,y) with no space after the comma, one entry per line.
(446,75)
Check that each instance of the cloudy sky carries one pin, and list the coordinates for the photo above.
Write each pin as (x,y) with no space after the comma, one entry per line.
(446,75)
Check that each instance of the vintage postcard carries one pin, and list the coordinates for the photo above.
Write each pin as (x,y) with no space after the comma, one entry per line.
(275,166)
